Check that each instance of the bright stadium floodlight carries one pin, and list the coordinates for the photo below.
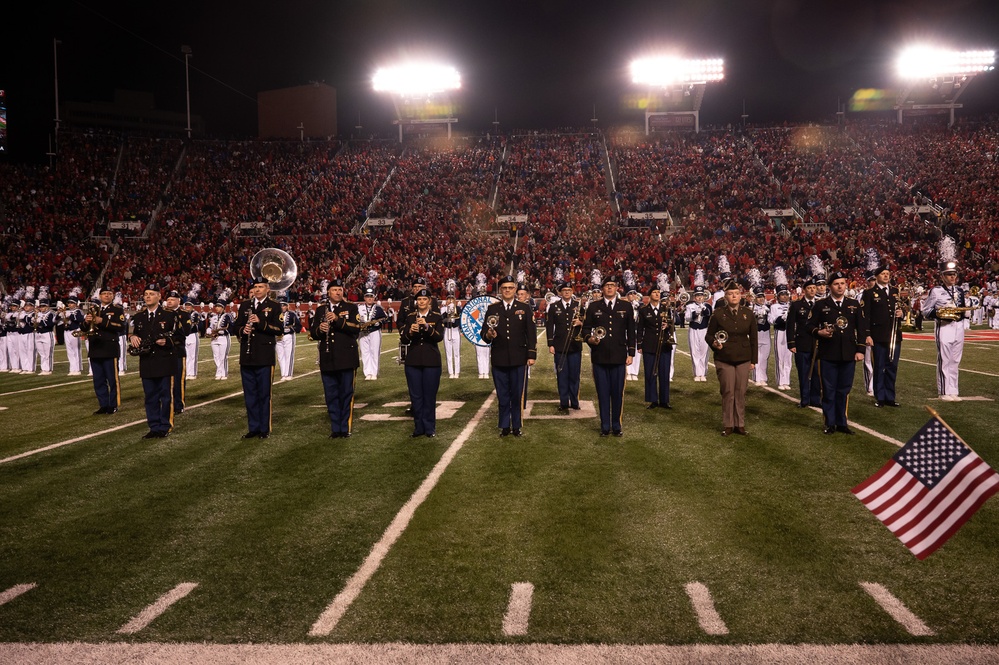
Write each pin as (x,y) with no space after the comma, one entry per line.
(936,77)
(926,62)
(413,79)
(666,71)
(675,88)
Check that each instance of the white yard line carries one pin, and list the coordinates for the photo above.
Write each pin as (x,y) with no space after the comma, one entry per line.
(518,611)
(525,654)
(898,611)
(15,591)
(969,371)
(162,604)
(126,425)
(331,616)
(707,616)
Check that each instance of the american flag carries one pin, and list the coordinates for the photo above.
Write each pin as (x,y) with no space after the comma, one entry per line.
(929,488)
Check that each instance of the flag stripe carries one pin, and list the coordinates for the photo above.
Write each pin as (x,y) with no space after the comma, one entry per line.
(929,513)
(932,541)
(887,494)
(884,475)
(908,492)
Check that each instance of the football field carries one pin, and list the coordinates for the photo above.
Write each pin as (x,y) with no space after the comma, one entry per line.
(380,547)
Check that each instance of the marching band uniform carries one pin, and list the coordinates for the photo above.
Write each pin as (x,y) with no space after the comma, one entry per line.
(949,335)
(158,368)
(45,322)
(4,367)
(778,318)
(183,326)
(837,354)
(104,352)
(560,336)
(734,360)
(13,337)
(885,332)
(655,336)
(257,358)
(631,371)
(762,313)
(123,342)
(192,342)
(696,315)
(370,340)
(26,330)
(220,325)
(452,338)
(513,347)
(869,350)
(801,343)
(423,365)
(74,322)
(610,355)
(338,359)
(285,349)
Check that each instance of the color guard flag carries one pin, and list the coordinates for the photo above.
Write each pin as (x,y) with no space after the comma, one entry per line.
(929,488)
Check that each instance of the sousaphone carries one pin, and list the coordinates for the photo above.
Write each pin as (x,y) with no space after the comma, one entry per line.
(275,266)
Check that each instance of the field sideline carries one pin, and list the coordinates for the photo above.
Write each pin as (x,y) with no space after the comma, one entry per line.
(672,535)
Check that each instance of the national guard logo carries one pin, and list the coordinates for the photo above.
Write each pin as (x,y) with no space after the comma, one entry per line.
(473,315)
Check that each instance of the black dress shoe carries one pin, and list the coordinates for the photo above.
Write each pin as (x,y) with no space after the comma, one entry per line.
(334,435)
(604,432)
(431,435)
(896,404)
(618,432)
(845,430)
(574,407)
(517,432)
(726,431)
(802,406)
(829,430)
(878,405)
(345,435)
(111,410)
(416,435)
(667,405)
(100,412)
(562,409)
(250,435)
(263,435)
(740,430)
(505,431)
(149,435)
(652,405)
(160,435)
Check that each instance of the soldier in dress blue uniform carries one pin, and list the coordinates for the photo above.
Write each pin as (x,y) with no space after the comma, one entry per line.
(801,343)
(513,345)
(258,325)
(562,327)
(180,353)
(656,337)
(838,323)
(423,331)
(609,329)
(336,327)
(108,321)
(884,320)
(156,337)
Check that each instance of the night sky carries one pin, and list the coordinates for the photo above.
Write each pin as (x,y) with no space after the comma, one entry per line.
(543,63)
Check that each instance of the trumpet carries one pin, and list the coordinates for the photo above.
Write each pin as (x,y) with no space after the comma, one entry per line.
(953,313)
(492,321)
(599,333)
(85,334)
(721,337)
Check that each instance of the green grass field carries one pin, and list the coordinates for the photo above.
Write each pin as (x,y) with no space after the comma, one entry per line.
(608,531)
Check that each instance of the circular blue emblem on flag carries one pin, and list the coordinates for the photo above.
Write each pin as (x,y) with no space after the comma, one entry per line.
(473,315)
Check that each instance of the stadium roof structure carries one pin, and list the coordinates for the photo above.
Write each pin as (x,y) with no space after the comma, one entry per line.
(674,89)
(935,78)
(423,94)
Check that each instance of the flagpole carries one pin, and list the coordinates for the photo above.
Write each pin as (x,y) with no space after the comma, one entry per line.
(936,415)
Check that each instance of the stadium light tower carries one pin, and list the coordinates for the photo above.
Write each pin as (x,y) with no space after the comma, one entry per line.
(422,94)
(675,88)
(936,77)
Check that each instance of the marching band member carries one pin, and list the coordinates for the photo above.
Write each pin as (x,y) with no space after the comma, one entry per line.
(193,340)
(123,342)
(801,343)
(372,316)
(609,329)
(839,326)
(74,322)
(219,330)
(869,351)
(883,313)
(183,327)
(107,322)
(26,335)
(11,325)
(157,336)
(778,318)
(4,307)
(257,325)
(513,343)
(423,330)
(524,296)
(761,310)
(696,314)
(724,272)
(451,314)
(655,338)
(336,328)
(950,326)
(482,353)
(45,322)
(286,343)
(736,353)
(635,300)
(563,323)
